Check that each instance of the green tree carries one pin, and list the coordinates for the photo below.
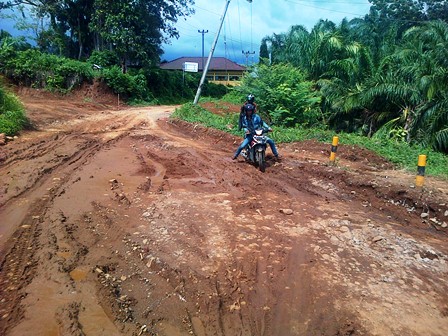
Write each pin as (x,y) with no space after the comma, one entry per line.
(134,29)
(407,93)
(283,94)
(61,26)
(429,71)
(411,12)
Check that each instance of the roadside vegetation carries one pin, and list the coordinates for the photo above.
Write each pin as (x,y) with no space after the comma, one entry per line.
(400,153)
(12,115)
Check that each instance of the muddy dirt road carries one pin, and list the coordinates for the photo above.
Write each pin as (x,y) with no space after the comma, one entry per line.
(125,222)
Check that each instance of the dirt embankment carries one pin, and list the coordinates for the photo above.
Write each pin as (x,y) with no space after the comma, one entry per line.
(120,221)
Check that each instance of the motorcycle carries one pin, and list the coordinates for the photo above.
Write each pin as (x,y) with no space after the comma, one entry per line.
(255,151)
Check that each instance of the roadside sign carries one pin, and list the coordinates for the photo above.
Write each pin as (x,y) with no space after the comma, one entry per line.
(190,67)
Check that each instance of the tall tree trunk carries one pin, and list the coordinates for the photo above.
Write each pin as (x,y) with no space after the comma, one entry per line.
(123,65)
(408,122)
(80,42)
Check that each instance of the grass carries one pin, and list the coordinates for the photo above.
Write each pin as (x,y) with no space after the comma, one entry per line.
(399,153)
(196,114)
(12,115)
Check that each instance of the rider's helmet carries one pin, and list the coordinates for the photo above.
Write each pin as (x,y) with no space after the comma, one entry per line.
(249,108)
(251,98)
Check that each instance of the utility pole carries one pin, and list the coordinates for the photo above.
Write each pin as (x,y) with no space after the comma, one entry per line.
(203,32)
(247,53)
(204,71)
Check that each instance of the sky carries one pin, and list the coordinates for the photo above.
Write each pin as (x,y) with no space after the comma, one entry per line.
(245,24)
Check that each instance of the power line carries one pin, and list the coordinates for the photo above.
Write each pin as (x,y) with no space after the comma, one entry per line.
(298,2)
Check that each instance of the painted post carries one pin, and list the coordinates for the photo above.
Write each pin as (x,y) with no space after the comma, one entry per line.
(334,149)
(420,179)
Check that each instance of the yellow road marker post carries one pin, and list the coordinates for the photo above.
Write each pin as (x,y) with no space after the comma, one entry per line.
(334,149)
(420,179)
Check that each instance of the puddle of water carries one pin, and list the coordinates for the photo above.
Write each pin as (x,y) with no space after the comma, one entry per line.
(64,255)
(169,329)
(157,178)
(198,326)
(95,322)
(78,274)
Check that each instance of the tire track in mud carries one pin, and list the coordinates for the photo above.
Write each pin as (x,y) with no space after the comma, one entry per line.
(171,237)
(39,162)
(228,302)
(29,169)
(20,256)
(339,188)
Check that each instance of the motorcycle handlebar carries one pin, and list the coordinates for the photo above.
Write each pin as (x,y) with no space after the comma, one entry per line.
(265,130)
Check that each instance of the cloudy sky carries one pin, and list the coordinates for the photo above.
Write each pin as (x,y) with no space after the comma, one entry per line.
(247,23)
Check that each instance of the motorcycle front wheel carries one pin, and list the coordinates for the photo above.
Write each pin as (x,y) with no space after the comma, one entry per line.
(261,161)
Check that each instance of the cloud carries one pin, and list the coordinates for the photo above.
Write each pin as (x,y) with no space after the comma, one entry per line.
(246,24)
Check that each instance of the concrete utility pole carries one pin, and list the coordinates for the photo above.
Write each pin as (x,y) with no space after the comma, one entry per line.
(203,32)
(204,70)
(247,53)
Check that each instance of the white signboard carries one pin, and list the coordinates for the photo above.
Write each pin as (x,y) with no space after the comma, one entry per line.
(190,67)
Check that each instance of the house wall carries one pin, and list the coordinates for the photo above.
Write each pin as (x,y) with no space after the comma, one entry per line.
(232,78)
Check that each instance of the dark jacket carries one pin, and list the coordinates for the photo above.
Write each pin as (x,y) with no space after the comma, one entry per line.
(251,124)
(243,113)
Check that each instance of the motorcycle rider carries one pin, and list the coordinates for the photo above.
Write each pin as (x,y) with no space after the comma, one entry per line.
(249,100)
(252,121)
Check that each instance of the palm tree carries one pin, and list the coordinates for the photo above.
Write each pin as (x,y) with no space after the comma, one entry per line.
(408,90)
(431,75)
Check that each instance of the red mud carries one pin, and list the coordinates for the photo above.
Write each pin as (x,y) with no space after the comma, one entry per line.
(122,221)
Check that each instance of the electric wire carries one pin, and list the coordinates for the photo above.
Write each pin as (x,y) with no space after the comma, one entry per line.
(231,41)
(302,3)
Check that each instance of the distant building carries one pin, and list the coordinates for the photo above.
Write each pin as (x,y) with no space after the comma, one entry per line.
(220,71)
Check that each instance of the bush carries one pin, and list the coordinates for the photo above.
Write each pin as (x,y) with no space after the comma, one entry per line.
(105,58)
(171,86)
(282,92)
(36,69)
(401,154)
(12,116)
(40,70)
(131,86)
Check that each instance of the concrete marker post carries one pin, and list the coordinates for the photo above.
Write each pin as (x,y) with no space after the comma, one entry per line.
(420,179)
(334,149)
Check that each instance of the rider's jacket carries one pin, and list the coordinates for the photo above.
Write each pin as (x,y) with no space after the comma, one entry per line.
(253,123)
(243,113)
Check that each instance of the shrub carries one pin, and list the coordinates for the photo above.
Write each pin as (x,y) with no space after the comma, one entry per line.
(36,69)
(105,58)
(282,92)
(12,116)
(402,154)
(131,86)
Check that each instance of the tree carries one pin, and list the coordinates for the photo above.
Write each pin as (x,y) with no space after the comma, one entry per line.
(429,72)
(264,50)
(412,11)
(284,94)
(134,29)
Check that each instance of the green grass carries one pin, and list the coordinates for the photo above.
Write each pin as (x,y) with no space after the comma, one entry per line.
(401,154)
(12,115)
(196,114)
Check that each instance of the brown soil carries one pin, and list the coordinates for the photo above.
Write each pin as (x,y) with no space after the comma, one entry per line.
(122,221)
